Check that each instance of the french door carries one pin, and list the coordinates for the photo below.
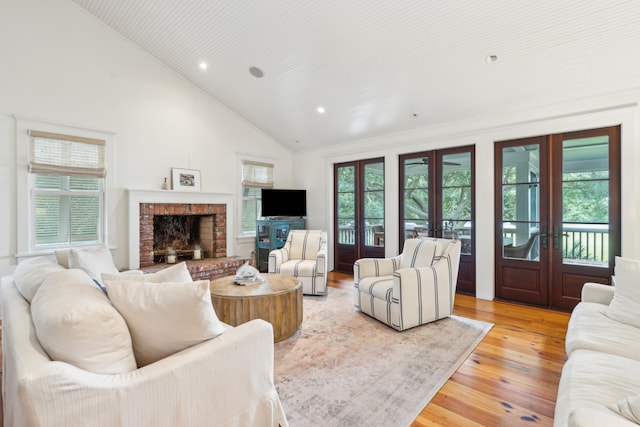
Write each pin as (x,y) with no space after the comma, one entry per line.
(359,212)
(437,200)
(557,215)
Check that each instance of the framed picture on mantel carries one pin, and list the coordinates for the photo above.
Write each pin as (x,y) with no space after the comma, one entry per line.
(185,179)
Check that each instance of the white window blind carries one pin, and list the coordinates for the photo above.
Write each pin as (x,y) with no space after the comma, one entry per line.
(57,154)
(257,174)
(67,189)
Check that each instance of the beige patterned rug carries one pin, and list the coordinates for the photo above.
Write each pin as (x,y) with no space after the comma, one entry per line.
(344,368)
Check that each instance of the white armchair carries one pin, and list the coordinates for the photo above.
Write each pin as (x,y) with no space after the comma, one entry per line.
(416,287)
(304,256)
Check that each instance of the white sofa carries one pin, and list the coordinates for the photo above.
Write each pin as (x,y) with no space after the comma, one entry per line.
(411,289)
(600,382)
(304,255)
(226,380)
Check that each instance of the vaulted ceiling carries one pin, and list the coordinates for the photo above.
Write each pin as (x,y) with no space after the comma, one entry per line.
(384,66)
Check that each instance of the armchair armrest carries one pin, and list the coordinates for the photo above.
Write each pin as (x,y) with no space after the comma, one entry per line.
(277,257)
(321,261)
(596,292)
(374,267)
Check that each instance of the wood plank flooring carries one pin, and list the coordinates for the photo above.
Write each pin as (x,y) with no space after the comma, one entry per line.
(511,379)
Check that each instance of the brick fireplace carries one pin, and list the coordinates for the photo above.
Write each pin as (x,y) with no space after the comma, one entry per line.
(202,224)
(214,208)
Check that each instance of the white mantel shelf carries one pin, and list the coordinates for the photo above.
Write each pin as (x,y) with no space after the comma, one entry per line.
(169,196)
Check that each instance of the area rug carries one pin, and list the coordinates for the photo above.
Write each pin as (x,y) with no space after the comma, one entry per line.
(344,368)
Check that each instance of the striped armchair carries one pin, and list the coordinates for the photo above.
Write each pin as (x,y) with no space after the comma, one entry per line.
(416,287)
(304,255)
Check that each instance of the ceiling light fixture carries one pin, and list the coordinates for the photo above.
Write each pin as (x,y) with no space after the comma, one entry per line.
(203,65)
(256,72)
(320,109)
(491,58)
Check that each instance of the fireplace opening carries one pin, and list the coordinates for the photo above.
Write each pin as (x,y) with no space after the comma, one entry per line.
(181,226)
(187,236)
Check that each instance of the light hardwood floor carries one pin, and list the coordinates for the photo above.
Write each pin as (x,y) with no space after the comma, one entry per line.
(511,378)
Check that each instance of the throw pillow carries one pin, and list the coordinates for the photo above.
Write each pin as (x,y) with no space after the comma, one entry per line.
(175,273)
(625,305)
(628,408)
(30,274)
(62,256)
(76,323)
(93,261)
(166,317)
(417,253)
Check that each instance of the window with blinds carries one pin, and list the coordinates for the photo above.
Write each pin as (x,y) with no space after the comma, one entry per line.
(66,178)
(255,177)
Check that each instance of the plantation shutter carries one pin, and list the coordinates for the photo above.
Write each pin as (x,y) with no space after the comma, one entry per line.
(257,174)
(57,154)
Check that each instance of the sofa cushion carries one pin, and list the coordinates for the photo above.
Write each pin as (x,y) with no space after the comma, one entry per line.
(30,274)
(165,317)
(625,305)
(628,408)
(589,328)
(175,273)
(93,261)
(591,379)
(76,323)
(418,253)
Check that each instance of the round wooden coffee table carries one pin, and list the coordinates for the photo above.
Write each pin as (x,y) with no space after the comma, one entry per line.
(278,300)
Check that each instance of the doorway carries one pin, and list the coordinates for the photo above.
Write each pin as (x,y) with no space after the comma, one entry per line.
(358,212)
(437,200)
(557,215)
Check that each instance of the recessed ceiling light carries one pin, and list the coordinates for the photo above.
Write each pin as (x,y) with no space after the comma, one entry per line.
(256,72)
(203,65)
(491,58)
(320,109)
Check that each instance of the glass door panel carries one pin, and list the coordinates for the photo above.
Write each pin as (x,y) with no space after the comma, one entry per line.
(374,204)
(416,210)
(520,201)
(585,201)
(346,205)
(456,187)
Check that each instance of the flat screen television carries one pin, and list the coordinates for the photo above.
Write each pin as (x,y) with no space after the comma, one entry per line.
(281,202)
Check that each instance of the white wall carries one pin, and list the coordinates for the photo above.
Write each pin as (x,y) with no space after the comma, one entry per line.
(607,110)
(60,65)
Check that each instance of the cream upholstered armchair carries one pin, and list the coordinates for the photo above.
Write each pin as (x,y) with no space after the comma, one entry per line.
(304,256)
(416,287)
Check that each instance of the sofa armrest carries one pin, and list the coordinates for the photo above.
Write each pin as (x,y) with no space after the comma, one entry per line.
(374,267)
(598,293)
(227,380)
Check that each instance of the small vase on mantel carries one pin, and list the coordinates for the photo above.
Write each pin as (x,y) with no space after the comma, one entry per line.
(165,184)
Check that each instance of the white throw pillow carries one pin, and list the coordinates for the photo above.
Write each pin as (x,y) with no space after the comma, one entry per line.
(62,256)
(625,305)
(76,323)
(166,317)
(628,408)
(93,261)
(30,274)
(175,273)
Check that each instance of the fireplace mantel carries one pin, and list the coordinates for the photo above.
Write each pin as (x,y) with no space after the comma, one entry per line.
(168,196)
